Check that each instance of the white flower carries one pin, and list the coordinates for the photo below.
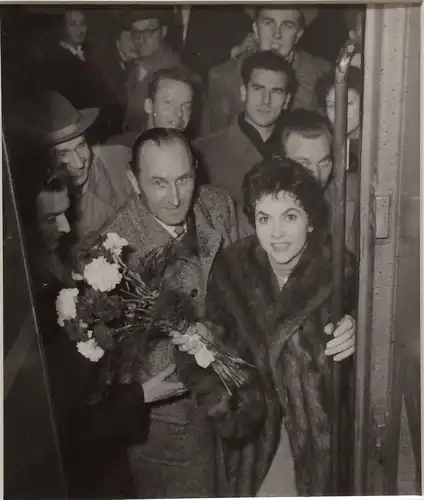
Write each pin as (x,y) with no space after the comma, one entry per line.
(66,304)
(115,243)
(204,357)
(102,275)
(76,276)
(90,349)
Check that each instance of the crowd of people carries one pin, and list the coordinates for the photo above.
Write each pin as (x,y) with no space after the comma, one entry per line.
(234,161)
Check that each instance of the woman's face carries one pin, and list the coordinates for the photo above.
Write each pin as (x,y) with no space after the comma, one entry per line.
(282,227)
(353,109)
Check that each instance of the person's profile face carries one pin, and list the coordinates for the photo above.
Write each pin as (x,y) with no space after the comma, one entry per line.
(52,222)
(126,46)
(73,160)
(148,37)
(265,97)
(282,227)
(171,105)
(75,29)
(314,153)
(353,109)
(166,180)
(278,30)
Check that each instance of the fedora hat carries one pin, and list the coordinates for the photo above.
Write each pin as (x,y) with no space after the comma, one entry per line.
(134,15)
(59,121)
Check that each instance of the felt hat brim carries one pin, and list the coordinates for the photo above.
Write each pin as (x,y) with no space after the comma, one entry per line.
(87,118)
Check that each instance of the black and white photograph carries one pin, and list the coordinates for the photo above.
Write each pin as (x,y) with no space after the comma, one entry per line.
(211,250)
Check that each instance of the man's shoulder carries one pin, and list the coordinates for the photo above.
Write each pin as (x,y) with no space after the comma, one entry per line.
(212,141)
(214,198)
(114,155)
(228,70)
(126,139)
(315,63)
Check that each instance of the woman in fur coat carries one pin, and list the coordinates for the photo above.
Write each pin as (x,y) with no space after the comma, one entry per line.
(271,293)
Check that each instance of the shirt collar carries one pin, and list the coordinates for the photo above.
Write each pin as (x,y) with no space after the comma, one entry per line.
(170,229)
(79,52)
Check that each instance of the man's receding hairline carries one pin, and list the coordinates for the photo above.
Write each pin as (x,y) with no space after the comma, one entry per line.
(173,79)
(306,134)
(164,141)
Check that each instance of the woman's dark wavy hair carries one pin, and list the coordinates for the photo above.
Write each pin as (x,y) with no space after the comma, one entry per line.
(282,174)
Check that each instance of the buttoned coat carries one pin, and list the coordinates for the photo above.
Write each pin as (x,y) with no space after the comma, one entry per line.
(224,82)
(178,458)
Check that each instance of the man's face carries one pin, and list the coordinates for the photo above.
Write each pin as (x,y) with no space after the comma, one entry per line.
(278,30)
(353,109)
(52,221)
(171,105)
(126,46)
(265,97)
(148,36)
(313,153)
(166,180)
(73,160)
(75,27)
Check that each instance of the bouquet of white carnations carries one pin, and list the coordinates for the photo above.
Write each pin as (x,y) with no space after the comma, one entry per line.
(124,308)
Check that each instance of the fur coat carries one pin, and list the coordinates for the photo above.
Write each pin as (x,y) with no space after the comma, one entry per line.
(282,334)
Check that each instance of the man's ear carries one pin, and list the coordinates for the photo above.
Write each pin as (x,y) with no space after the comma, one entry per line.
(287,101)
(299,35)
(148,106)
(133,181)
(243,92)
(164,30)
(310,229)
(255,29)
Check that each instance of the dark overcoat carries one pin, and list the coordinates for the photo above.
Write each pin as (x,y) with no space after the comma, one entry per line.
(282,334)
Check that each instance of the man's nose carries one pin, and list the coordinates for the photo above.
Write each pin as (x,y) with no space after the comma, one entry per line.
(266,97)
(62,224)
(175,196)
(278,34)
(76,160)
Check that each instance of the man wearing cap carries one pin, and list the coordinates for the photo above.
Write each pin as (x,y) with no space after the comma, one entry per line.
(97,177)
(278,29)
(148,32)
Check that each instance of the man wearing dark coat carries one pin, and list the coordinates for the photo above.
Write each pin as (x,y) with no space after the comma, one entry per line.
(278,29)
(70,70)
(227,155)
(179,457)
(192,30)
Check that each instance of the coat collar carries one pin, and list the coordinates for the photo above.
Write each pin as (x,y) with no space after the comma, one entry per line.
(208,239)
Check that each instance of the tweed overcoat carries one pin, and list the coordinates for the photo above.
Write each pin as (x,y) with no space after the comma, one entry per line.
(282,334)
(224,82)
(178,458)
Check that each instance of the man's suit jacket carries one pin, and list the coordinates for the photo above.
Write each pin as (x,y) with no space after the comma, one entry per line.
(226,156)
(224,100)
(108,188)
(77,80)
(136,90)
(206,24)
